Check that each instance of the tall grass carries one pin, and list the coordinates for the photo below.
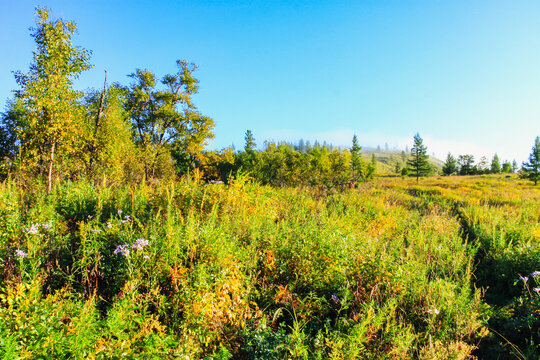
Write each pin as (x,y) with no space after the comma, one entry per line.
(189,270)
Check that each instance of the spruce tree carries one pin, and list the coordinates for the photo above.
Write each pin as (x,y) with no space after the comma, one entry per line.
(250,142)
(418,162)
(450,166)
(531,170)
(358,165)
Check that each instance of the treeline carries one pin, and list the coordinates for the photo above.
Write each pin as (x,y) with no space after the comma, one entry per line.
(465,165)
(286,164)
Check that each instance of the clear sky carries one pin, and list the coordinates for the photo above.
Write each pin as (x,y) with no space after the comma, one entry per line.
(464,74)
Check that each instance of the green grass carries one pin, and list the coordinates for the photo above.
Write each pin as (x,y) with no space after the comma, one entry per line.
(393,270)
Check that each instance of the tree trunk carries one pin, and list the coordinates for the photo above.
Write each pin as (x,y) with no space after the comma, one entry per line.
(51,161)
(101,103)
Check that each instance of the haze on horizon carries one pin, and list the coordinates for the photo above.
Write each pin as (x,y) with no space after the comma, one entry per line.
(465,75)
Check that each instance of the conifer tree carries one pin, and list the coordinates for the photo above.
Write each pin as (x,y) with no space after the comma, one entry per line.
(531,170)
(250,142)
(418,162)
(357,163)
(450,166)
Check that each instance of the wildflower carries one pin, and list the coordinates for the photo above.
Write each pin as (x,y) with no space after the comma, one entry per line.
(109,225)
(524,278)
(119,212)
(535,274)
(216,182)
(335,299)
(122,250)
(537,290)
(90,217)
(148,258)
(433,311)
(46,226)
(139,244)
(20,253)
(33,229)
(95,231)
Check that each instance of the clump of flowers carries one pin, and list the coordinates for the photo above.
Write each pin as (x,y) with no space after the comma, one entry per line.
(126,219)
(122,250)
(34,228)
(139,244)
(21,254)
(433,311)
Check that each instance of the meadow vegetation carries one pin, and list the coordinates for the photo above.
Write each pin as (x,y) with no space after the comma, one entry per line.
(446,269)
(122,237)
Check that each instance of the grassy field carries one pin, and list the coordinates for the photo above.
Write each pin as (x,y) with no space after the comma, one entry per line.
(443,269)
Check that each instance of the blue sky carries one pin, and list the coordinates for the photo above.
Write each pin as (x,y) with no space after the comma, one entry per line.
(465,74)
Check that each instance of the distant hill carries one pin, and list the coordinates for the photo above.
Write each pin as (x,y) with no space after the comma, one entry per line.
(387,159)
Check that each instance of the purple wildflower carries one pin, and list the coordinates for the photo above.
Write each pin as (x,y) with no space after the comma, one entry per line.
(122,250)
(109,225)
(139,244)
(335,299)
(20,253)
(95,231)
(33,229)
(90,217)
(433,311)
(148,258)
(46,226)
(524,278)
(537,290)
(119,212)
(535,274)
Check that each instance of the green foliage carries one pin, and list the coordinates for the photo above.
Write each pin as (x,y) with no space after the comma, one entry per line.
(108,266)
(359,168)
(450,166)
(166,121)
(506,168)
(495,167)
(49,132)
(418,162)
(466,165)
(243,270)
(250,142)
(531,170)
(112,153)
